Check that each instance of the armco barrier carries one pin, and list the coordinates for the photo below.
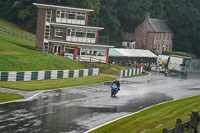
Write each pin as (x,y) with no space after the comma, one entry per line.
(50,74)
(130,72)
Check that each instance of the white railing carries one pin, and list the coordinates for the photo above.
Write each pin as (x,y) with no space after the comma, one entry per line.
(87,58)
(80,39)
(70,21)
(16,34)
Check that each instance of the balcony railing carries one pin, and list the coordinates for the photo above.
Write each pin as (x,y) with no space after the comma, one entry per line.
(101,40)
(91,22)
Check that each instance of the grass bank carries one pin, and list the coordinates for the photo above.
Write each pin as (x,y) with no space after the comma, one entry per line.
(14,28)
(5,97)
(154,119)
(19,55)
(54,83)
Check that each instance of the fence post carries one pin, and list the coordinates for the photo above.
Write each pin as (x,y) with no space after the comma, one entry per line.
(90,59)
(165,130)
(193,122)
(179,127)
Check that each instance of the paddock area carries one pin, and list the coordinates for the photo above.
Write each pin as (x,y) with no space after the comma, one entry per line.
(132,57)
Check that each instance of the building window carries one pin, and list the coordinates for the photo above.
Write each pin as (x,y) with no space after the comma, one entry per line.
(157,36)
(80,33)
(69,49)
(71,15)
(80,16)
(58,14)
(94,52)
(168,36)
(127,45)
(91,34)
(167,47)
(62,14)
(160,36)
(48,16)
(164,36)
(89,51)
(73,32)
(158,47)
(83,51)
(101,53)
(58,32)
(47,32)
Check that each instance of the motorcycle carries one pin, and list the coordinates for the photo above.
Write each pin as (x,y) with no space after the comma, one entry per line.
(114,90)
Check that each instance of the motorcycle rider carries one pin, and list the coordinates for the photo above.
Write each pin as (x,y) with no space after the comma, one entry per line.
(117,83)
(115,88)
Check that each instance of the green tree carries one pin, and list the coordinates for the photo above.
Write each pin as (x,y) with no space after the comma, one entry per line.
(108,19)
(132,12)
(157,9)
(184,20)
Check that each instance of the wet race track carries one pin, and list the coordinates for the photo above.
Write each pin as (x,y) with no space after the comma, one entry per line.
(78,109)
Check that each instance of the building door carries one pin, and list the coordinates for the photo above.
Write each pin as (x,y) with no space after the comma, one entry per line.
(57,49)
(69,33)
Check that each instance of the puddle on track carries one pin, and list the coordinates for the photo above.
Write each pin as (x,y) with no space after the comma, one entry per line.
(50,114)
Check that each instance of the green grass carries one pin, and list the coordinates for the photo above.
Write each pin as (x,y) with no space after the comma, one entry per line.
(14,28)
(154,119)
(134,76)
(19,55)
(54,83)
(5,97)
(104,68)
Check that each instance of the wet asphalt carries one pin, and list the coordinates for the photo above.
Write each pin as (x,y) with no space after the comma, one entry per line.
(78,109)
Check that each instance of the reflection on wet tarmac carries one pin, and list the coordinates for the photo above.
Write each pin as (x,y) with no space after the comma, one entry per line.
(42,115)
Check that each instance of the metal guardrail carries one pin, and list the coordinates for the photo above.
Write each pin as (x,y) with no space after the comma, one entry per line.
(16,34)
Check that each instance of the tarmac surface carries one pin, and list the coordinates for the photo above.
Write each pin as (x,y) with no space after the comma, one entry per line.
(78,109)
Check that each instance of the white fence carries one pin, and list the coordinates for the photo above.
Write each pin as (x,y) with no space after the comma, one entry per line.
(130,72)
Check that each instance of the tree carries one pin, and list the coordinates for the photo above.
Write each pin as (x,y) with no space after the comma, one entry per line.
(157,9)
(184,20)
(108,19)
(132,12)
